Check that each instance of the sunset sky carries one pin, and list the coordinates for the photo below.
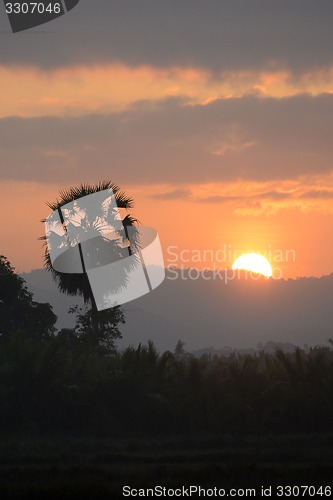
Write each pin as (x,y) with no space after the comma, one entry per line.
(215,116)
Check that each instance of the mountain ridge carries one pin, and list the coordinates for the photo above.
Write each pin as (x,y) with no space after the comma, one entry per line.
(210,312)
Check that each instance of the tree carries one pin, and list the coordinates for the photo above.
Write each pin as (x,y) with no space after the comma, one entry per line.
(18,311)
(179,349)
(78,284)
(108,328)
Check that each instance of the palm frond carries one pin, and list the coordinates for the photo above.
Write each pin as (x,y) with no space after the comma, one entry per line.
(84,189)
(78,284)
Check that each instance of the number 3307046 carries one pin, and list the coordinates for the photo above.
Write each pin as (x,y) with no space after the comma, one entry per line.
(32,7)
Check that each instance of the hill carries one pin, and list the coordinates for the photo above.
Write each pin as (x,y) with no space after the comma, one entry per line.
(215,312)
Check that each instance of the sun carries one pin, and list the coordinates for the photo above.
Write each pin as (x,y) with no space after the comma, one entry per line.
(255,263)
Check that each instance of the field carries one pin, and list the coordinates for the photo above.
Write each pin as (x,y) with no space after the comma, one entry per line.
(83,467)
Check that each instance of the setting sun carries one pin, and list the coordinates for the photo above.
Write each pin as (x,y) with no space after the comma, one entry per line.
(255,263)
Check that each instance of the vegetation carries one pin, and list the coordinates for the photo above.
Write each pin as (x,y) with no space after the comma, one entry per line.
(62,385)
(77,382)
(18,311)
(74,381)
(96,221)
(80,418)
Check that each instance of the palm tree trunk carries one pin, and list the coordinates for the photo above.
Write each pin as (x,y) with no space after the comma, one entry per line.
(94,318)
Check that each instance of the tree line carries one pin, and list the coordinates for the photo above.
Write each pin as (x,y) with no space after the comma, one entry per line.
(73,381)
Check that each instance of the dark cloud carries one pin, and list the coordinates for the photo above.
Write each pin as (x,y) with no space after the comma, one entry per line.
(171,142)
(274,195)
(320,193)
(215,34)
(177,194)
(269,195)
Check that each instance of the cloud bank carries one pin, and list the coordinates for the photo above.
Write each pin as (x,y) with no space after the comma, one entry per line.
(173,142)
(214,34)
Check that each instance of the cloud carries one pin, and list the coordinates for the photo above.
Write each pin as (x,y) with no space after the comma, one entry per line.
(217,35)
(269,195)
(252,198)
(80,90)
(177,194)
(317,194)
(170,142)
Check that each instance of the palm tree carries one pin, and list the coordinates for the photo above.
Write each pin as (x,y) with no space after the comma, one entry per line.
(100,245)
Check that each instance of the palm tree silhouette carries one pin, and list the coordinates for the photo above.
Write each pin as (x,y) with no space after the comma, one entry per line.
(85,217)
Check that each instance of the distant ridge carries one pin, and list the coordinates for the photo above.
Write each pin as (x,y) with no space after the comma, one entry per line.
(203,312)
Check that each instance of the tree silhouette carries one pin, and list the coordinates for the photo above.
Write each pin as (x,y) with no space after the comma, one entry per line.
(99,245)
(108,328)
(18,311)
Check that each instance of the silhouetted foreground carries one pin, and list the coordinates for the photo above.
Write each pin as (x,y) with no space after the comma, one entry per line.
(80,423)
(86,468)
(65,385)
(80,419)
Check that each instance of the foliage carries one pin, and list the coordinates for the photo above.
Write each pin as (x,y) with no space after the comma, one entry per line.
(18,310)
(64,385)
(108,331)
(100,219)
(78,284)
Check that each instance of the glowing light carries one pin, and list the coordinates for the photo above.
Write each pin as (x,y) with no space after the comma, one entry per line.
(253,262)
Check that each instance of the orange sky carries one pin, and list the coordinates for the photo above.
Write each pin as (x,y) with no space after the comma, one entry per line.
(236,214)
(296,241)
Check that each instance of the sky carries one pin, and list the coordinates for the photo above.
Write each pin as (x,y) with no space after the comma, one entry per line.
(215,116)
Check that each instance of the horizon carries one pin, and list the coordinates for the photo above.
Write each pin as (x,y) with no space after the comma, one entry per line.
(248,275)
(214,312)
